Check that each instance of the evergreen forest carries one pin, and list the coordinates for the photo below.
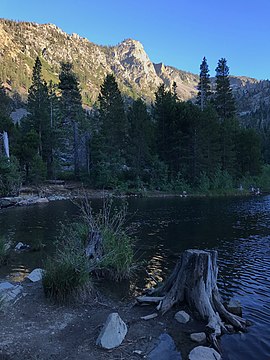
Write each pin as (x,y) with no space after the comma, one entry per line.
(126,144)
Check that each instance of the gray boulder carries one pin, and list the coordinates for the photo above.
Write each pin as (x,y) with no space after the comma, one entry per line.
(182,317)
(112,333)
(35,275)
(203,353)
(165,349)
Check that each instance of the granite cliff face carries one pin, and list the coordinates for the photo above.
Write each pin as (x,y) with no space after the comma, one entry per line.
(21,42)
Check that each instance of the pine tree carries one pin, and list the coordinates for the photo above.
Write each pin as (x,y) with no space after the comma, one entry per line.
(140,139)
(224,100)
(112,115)
(109,145)
(38,107)
(164,112)
(72,118)
(204,86)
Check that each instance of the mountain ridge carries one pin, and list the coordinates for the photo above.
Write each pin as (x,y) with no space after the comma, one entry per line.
(136,74)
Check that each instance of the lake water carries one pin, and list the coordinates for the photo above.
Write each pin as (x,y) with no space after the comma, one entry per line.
(239,228)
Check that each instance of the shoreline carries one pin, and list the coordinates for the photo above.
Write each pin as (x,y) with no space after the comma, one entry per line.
(33,327)
(71,190)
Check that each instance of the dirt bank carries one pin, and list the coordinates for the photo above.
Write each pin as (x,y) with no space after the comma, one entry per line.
(33,328)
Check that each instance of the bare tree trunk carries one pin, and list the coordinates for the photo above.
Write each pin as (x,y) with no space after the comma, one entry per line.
(194,280)
(6,143)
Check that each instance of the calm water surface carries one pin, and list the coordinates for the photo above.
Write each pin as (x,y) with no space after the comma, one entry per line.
(238,228)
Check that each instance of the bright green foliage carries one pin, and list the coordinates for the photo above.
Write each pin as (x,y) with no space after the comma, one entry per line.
(224,100)
(204,86)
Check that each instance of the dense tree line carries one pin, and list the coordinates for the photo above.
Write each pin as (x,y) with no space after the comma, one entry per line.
(171,145)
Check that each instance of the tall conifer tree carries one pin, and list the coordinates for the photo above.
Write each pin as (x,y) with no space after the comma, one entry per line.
(72,115)
(204,86)
(224,100)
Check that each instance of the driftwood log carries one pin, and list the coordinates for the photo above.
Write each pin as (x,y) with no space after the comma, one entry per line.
(194,281)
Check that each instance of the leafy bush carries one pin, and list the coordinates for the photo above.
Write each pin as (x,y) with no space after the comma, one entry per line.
(10,177)
(38,171)
(67,272)
(221,182)
(204,184)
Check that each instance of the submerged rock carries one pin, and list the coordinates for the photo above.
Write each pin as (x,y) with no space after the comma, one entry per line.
(234,307)
(182,317)
(203,353)
(113,332)
(165,349)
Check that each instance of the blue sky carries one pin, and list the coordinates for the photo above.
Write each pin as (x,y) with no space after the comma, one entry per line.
(175,32)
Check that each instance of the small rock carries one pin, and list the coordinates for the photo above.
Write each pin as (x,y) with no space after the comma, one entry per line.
(198,337)
(21,246)
(182,317)
(9,292)
(203,353)
(234,307)
(230,328)
(35,275)
(113,332)
(138,352)
(165,349)
(41,200)
(6,286)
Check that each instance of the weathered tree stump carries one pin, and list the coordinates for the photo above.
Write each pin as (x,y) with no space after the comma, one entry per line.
(94,248)
(194,281)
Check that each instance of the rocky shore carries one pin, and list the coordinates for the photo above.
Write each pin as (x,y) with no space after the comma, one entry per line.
(34,328)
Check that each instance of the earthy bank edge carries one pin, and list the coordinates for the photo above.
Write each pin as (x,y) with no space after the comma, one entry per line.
(32,328)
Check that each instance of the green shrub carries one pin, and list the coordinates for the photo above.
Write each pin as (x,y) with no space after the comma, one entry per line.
(222,182)
(67,272)
(118,254)
(10,177)
(117,259)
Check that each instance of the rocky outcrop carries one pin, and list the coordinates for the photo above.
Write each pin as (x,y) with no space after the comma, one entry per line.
(21,42)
